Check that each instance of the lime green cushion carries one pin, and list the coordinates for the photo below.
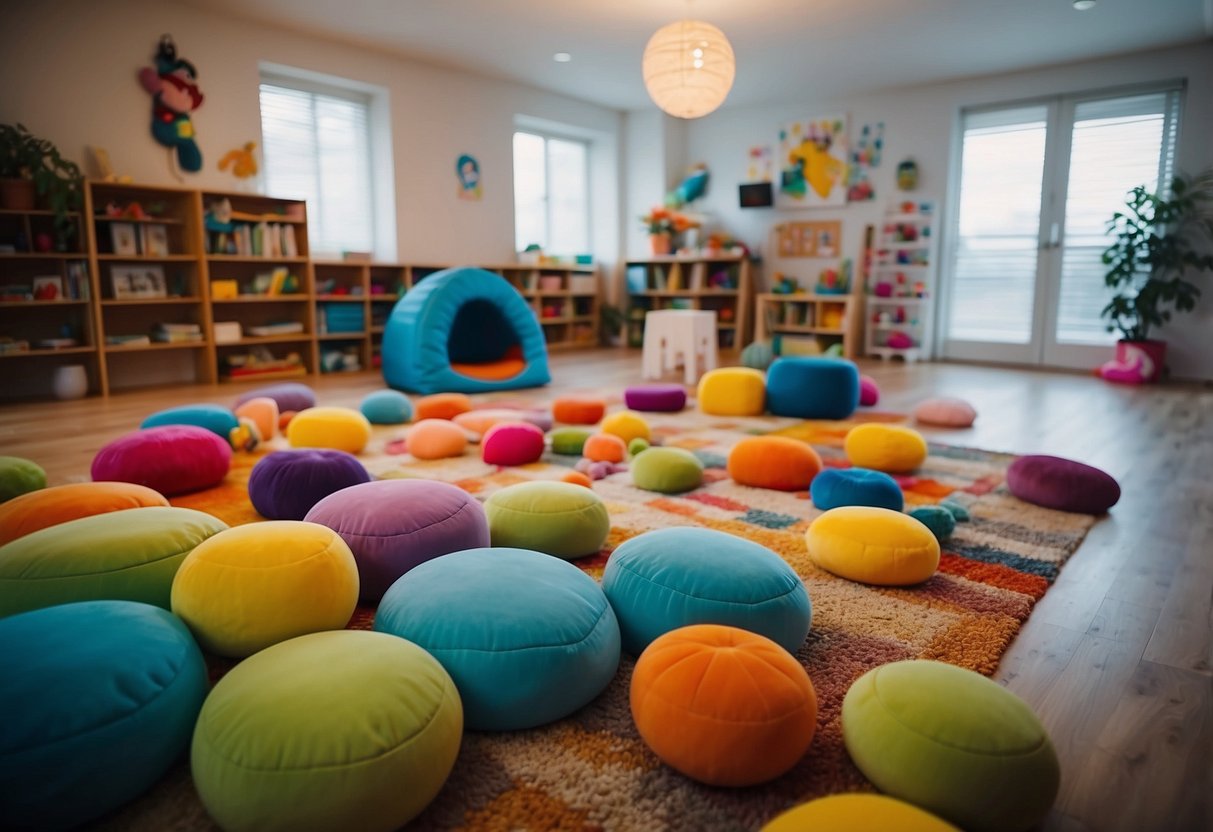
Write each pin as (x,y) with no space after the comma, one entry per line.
(569,441)
(667,470)
(952,742)
(873,545)
(558,518)
(122,556)
(19,476)
(338,730)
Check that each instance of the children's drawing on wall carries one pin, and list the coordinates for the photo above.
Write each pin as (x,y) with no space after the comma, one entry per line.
(468,171)
(907,175)
(172,83)
(813,163)
(865,155)
(759,167)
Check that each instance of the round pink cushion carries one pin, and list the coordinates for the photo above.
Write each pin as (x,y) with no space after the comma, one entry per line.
(1062,484)
(171,459)
(948,413)
(512,443)
(869,393)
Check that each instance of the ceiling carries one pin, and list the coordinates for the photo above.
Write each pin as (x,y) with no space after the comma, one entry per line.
(841,46)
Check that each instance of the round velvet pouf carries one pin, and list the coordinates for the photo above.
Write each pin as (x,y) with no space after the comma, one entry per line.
(284,485)
(527,638)
(393,525)
(775,462)
(945,412)
(436,439)
(723,706)
(291,396)
(670,578)
(174,459)
(869,391)
(104,702)
(808,387)
(339,730)
(858,812)
(732,391)
(51,506)
(656,398)
(329,427)
(873,546)
(1062,484)
(890,448)
(953,743)
(557,518)
(578,410)
(386,407)
(19,476)
(667,470)
(835,487)
(626,425)
(218,420)
(512,443)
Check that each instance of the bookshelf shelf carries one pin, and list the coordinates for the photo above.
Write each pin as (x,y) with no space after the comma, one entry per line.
(902,264)
(719,283)
(811,322)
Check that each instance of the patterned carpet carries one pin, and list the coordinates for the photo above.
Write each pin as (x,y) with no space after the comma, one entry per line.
(591,771)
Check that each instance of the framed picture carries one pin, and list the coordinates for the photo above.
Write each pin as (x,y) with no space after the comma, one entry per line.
(138,281)
(124,238)
(155,240)
(48,287)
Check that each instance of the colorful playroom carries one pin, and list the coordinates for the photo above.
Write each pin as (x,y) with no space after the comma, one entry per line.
(782,416)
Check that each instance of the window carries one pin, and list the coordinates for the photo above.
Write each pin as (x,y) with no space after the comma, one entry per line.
(317,146)
(551,193)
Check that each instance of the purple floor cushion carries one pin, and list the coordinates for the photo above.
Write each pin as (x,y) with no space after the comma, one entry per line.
(393,525)
(1062,484)
(285,485)
(656,398)
(290,395)
(173,459)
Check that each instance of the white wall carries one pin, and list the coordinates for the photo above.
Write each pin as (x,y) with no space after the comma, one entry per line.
(919,123)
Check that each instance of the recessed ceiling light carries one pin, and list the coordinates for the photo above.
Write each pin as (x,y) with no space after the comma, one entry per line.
(565,57)
(1083,5)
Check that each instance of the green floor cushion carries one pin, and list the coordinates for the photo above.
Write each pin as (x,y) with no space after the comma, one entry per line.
(19,476)
(557,518)
(667,470)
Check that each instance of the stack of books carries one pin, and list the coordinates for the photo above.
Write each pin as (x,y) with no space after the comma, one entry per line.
(128,340)
(176,333)
(282,328)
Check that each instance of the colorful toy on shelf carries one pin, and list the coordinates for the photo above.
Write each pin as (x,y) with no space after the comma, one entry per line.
(241,160)
(883,289)
(920,289)
(784,285)
(899,341)
(175,94)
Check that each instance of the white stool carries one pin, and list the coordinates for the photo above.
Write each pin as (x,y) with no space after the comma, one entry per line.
(670,333)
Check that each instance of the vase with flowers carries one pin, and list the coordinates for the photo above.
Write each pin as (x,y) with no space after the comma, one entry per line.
(664,225)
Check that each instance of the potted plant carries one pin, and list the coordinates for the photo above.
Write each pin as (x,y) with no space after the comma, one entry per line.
(612,319)
(662,225)
(1160,243)
(30,165)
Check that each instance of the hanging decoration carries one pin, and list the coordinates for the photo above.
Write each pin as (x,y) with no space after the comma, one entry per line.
(688,68)
(813,163)
(241,160)
(173,86)
(865,155)
(468,171)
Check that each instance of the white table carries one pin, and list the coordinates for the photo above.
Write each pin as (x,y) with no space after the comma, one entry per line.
(670,334)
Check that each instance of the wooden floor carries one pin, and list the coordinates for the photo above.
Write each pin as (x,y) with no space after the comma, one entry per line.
(1116,659)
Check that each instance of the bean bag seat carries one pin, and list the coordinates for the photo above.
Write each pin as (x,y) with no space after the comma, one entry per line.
(670,578)
(101,699)
(723,706)
(773,462)
(255,585)
(386,407)
(869,391)
(604,447)
(939,520)
(569,441)
(1062,484)
(463,330)
(436,439)
(953,743)
(626,425)
(732,391)
(836,487)
(667,470)
(758,355)
(512,443)
(527,638)
(337,730)
(578,410)
(858,813)
(52,506)
(656,398)
(392,526)
(338,428)
(284,485)
(556,518)
(174,459)
(262,412)
(121,555)
(809,387)
(218,420)
(873,546)
(291,396)
(19,476)
(888,448)
(945,412)
(443,406)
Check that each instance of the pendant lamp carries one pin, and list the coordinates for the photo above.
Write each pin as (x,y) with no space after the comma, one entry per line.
(688,68)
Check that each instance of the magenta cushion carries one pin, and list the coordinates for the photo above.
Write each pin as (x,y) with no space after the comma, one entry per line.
(945,412)
(656,398)
(172,459)
(285,485)
(393,525)
(1062,484)
(869,393)
(512,443)
(290,395)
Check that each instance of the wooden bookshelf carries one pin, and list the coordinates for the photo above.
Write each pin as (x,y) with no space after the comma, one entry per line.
(811,322)
(720,283)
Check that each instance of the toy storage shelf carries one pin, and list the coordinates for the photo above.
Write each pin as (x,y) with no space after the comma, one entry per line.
(720,283)
(900,285)
(807,323)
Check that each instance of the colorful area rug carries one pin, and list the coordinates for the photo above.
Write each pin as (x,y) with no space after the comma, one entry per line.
(591,771)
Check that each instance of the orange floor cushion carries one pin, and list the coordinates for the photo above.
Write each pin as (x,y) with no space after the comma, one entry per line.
(51,506)
(573,410)
(441,406)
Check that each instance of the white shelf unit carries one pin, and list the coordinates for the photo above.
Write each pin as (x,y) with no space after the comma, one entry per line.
(901,283)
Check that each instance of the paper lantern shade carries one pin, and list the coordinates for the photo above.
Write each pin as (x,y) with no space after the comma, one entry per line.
(688,68)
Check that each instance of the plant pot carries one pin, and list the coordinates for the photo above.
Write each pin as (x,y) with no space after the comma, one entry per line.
(70,382)
(1136,362)
(17,194)
(660,243)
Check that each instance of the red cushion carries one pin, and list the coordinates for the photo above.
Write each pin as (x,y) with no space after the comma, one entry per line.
(172,459)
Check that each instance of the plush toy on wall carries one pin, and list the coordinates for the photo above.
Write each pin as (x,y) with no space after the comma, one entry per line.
(175,94)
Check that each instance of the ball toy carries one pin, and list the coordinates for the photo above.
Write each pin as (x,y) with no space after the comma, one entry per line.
(857,813)
(392,526)
(121,555)
(656,398)
(604,447)
(945,412)
(869,392)
(637,445)
(809,387)
(512,443)
(873,546)
(888,448)
(722,705)
(103,704)
(386,407)
(436,439)
(442,406)
(626,425)
(61,503)
(569,441)
(836,487)
(732,391)
(670,578)
(667,470)
(953,743)
(284,485)
(336,730)
(218,420)
(773,462)
(557,518)
(758,355)
(575,410)
(262,412)
(291,396)
(527,638)
(19,476)
(174,459)
(1062,484)
(936,518)
(338,428)
(255,585)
